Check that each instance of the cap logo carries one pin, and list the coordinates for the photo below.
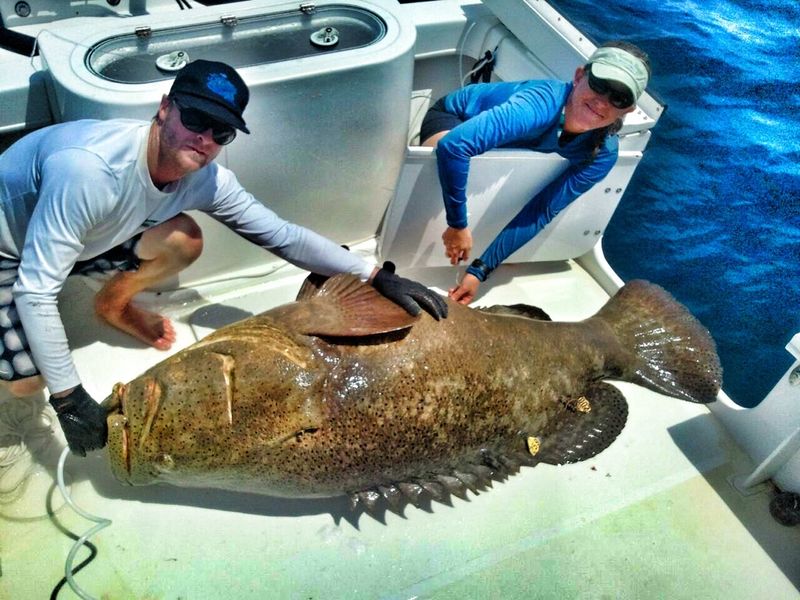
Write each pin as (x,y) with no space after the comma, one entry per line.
(221,86)
(213,88)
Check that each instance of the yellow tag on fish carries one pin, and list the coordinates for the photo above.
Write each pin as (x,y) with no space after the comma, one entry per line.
(533,445)
(583,405)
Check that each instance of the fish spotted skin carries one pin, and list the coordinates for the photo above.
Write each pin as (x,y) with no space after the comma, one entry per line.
(342,392)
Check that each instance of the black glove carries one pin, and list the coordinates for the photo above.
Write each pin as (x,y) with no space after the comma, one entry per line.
(82,419)
(411,295)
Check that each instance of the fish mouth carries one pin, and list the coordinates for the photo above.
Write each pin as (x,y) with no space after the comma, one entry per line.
(118,433)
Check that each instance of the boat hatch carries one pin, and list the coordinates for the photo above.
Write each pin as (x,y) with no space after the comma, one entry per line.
(241,42)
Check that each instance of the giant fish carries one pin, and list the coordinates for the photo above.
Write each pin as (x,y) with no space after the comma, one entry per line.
(343,392)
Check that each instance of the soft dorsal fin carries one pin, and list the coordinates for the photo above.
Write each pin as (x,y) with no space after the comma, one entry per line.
(343,306)
(586,426)
(517,310)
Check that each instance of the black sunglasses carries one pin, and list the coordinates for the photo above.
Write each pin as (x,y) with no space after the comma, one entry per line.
(603,87)
(197,121)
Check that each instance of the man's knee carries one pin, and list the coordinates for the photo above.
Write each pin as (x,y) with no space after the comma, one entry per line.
(24,387)
(181,237)
(186,238)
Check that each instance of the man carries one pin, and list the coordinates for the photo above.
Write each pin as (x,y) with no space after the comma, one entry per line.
(111,195)
(576,120)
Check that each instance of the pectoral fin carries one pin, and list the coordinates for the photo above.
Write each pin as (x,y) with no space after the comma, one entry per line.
(343,306)
(311,286)
(586,426)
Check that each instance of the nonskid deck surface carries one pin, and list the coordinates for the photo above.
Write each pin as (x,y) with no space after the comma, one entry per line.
(654,515)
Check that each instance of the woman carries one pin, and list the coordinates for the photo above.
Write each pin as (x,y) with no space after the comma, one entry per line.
(576,120)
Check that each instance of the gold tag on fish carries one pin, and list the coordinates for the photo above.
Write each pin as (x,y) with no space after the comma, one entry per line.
(583,405)
(533,445)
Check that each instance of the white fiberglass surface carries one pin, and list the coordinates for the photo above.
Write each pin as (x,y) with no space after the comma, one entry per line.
(651,516)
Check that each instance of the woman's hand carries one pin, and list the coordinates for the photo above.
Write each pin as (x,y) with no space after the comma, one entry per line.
(457,244)
(464,292)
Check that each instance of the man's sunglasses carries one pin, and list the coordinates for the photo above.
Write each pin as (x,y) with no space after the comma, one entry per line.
(618,98)
(197,121)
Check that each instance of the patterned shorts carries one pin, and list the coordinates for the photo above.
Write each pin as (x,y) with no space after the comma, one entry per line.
(15,354)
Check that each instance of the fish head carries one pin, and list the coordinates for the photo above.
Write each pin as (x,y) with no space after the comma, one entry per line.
(203,416)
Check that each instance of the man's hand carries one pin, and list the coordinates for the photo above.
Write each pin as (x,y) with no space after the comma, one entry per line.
(464,292)
(82,419)
(457,244)
(411,295)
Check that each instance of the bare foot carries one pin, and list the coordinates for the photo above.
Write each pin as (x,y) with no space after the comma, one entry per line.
(149,327)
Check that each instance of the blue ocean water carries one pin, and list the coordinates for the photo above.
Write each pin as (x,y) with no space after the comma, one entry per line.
(713,212)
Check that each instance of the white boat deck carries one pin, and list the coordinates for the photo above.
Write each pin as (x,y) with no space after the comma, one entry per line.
(654,515)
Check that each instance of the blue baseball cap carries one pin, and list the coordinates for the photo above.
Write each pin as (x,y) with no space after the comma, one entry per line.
(213,88)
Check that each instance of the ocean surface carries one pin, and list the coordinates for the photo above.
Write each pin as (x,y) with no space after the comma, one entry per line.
(713,212)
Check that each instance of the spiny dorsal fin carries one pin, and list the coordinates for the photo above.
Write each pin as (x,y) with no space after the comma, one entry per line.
(343,306)
(393,496)
(436,490)
(412,491)
(517,310)
(474,475)
(453,485)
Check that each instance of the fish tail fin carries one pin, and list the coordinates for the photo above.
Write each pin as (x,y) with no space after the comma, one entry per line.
(668,350)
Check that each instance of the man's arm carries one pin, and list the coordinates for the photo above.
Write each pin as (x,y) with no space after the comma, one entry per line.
(311,251)
(75,193)
(64,213)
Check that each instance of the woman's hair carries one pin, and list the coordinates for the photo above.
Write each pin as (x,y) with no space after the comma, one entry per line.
(601,134)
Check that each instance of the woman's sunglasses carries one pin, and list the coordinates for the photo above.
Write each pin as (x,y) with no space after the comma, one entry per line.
(603,87)
(197,121)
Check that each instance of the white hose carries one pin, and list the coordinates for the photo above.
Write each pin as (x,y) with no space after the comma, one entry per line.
(101,523)
(461,55)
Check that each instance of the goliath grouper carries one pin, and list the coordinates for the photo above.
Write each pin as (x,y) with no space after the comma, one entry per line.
(342,392)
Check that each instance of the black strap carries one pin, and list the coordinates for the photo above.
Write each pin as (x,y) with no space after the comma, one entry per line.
(18,43)
(482,69)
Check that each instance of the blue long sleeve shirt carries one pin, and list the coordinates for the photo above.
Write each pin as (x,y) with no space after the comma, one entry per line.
(521,114)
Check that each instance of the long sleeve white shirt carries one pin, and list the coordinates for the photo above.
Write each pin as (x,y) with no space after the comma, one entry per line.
(72,191)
